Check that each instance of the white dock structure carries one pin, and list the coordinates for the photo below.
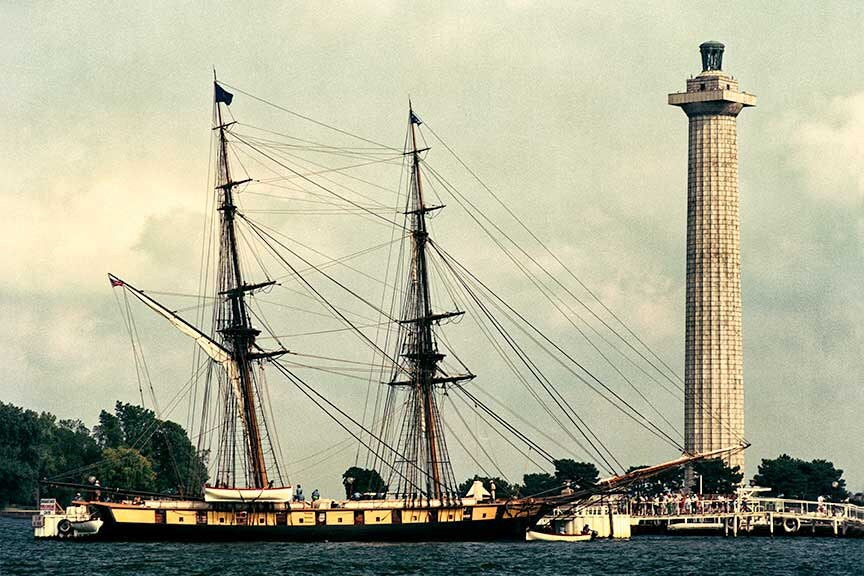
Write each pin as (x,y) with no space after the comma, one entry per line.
(604,516)
(755,515)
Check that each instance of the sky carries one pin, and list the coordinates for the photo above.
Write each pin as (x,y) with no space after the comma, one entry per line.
(560,106)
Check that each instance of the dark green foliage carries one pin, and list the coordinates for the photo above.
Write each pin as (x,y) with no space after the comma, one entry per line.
(165,445)
(363,481)
(539,484)
(176,461)
(128,449)
(34,446)
(503,489)
(22,438)
(795,478)
(108,433)
(126,467)
(717,476)
(73,447)
(579,474)
(666,481)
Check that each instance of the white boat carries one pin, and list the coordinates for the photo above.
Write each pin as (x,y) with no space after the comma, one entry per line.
(534,536)
(283,494)
(695,526)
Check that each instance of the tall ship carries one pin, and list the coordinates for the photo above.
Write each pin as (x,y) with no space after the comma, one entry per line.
(415,370)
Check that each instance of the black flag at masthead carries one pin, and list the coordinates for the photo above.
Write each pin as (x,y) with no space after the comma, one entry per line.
(223,95)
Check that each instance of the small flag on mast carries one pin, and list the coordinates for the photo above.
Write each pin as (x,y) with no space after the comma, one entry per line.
(223,95)
(415,119)
(115,282)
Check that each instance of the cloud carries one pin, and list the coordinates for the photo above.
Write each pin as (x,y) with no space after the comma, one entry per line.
(829,149)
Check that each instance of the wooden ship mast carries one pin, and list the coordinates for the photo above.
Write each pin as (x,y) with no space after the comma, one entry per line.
(421,439)
(234,323)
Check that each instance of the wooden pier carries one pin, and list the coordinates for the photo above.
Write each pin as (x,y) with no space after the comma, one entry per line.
(756,515)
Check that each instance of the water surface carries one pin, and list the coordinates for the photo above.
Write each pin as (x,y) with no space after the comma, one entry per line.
(661,555)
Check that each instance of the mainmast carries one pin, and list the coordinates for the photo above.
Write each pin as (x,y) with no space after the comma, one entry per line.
(425,351)
(422,437)
(237,332)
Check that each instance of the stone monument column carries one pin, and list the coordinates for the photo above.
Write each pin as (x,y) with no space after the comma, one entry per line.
(713,373)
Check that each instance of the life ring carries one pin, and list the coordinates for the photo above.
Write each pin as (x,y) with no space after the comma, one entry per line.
(64,528)
(791,525)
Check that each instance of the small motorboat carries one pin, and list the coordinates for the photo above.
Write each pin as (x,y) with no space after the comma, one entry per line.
(537,536)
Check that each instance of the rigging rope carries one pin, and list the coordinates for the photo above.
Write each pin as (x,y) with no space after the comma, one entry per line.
(558,260)
(636,415)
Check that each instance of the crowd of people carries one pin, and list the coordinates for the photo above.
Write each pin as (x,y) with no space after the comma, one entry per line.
(680,504)
(677,504)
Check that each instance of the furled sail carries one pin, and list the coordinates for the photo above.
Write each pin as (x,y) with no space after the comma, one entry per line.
(233,495)
(213,348)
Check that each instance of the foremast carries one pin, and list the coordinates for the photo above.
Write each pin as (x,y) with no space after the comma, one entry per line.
(233,323)
(235,348)
(422,438)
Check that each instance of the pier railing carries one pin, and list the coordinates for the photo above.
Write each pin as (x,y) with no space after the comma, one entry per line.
(748,512)
(808,508)
(719,505)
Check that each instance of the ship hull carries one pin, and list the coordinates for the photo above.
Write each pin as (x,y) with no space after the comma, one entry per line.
(379,521)
(467,531)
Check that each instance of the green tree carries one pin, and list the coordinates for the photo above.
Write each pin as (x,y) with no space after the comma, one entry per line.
(667,481)
(109,432)
(71,446)
(363,481)
(795,478)
(72,451)
(177,465)
(22,434)
(784,475)
(34,446)
(126,467)
(138,424)
(717,476)
(503,489)
(580,474)
(826,480)
(539,484)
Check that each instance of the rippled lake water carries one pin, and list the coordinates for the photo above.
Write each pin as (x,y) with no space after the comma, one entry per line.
(662,555)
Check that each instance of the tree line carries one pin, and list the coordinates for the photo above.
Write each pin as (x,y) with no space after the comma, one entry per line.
(128,448)
(787,477)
